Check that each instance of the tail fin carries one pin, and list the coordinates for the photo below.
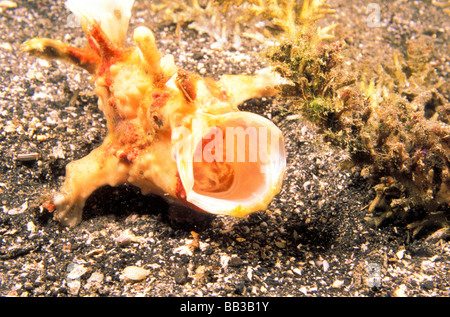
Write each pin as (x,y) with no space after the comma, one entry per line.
(113,15)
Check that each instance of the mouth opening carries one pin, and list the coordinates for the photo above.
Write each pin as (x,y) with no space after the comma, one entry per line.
(235,181)
(236,166)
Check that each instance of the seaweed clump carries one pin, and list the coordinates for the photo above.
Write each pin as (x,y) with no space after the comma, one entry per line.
(395,126)
(397,130)
(227,21)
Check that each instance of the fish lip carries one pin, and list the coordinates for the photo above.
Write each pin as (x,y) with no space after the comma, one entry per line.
(273,170)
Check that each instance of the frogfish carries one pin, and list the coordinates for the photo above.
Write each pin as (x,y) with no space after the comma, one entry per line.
(170,132)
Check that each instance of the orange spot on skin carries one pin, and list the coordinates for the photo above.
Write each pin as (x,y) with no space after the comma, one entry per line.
(127,133)
(128,143)
(128,156)
(223,95)
(159,99)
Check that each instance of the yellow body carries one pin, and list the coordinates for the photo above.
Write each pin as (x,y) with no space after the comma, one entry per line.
(147,100)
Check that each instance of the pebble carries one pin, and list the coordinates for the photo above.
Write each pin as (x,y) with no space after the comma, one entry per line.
(31,227)
(297,271)
(201,68)
(6,46)
(224,260)
(8,4)
(134,273)
(18,210)
(181,275)
(96,277)
(76,270)
(94,281)
(280,244)
(337,284)
(28,286)
(427,266)
(197,56)
(400,291)
(235,262)
(400,254)
(325,265)
(125,238)
(427,285)
(74,286)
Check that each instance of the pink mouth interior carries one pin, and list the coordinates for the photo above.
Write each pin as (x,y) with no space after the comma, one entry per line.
(235,179)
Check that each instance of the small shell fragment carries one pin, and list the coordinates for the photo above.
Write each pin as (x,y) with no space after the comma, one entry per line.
(18,210)
(337,284)
(400,291)
(31,227)
(400,254)
(26,157)
(76,271)
(135,273)
(96,277)
(8,4)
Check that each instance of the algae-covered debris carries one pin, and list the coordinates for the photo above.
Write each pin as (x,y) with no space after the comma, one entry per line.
(392,117)
(395,126)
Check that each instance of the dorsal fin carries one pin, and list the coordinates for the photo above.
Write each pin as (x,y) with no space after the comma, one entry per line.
(113,15)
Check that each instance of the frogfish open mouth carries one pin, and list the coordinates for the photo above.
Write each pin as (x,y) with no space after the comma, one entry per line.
(170,132)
